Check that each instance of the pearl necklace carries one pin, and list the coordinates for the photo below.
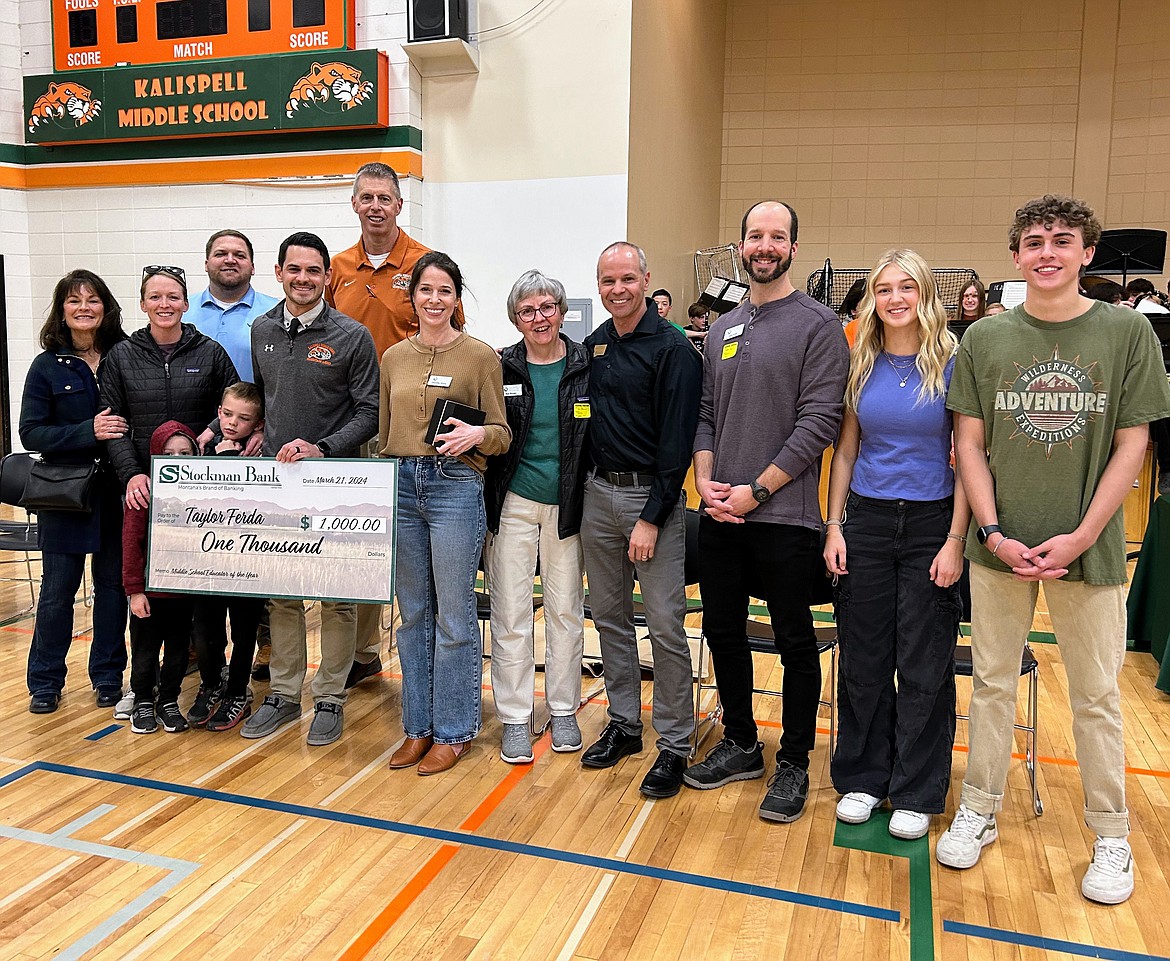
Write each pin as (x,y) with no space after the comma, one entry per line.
(903,378)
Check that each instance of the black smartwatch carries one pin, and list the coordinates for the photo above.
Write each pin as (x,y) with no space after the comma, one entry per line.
(323,449)
(760,492)
(985,532)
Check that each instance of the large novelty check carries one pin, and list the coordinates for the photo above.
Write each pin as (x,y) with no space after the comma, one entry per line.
(319,528)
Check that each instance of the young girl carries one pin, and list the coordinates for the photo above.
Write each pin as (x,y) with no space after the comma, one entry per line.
(159,621)
(895,539)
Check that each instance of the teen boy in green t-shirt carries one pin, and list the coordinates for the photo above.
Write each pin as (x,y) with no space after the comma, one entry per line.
(1052,403)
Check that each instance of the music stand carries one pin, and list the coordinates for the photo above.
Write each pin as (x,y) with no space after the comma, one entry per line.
(1136,249)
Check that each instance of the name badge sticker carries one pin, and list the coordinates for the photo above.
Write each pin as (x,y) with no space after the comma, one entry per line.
(513,390)
(733,332)
(581,410)
(598,350)
(730,350)
(435,380)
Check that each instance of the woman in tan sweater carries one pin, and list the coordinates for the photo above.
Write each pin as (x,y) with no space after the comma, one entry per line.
(440,522)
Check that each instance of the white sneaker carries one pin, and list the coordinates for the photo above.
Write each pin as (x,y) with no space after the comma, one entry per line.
(1109,879)
(856,807)
(962,843)
(124,708)
(909,825)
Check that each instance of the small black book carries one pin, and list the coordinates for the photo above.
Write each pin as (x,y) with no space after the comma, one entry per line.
(445,409)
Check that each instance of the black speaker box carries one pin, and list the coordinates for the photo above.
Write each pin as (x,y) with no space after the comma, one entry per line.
(436,19)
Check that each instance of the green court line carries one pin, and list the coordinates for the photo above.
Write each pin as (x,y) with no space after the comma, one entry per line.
(874,836)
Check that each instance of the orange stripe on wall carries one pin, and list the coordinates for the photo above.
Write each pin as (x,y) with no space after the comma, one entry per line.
(209,170)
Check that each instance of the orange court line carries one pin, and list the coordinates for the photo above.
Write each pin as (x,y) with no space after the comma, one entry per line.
(410,892)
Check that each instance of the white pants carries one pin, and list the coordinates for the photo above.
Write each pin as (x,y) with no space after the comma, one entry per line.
(527,527)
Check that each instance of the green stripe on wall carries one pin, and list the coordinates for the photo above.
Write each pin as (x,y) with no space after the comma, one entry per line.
(203,147)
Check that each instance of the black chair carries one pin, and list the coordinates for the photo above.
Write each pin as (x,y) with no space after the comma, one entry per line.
(1029,667)
(18,536)
(762,640)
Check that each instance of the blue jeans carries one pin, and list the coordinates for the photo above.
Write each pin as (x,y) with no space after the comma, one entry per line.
(60,578)
(440,534)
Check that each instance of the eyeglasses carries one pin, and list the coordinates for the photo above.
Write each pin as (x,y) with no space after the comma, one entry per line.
(155,269)
(528,314)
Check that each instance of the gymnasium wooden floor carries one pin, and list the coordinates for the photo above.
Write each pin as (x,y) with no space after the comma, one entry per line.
(117,846)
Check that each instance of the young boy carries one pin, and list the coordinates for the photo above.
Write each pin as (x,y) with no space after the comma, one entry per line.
(1052,400)
(158,621)
(218,705)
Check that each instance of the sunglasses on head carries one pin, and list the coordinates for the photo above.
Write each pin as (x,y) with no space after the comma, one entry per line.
(156,269)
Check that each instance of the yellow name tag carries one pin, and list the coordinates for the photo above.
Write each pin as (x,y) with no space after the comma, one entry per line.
(581,411)
(730,350)
(598,349)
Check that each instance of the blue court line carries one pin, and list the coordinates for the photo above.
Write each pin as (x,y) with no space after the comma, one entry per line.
(471,840)
(1047,944)
(98,735)
(177,870)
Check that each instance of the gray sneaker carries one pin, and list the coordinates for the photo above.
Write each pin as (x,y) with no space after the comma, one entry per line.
(787,792)
(566,735)
(273,714)
(328,720)
(124,708)
(517,745)
(724,763)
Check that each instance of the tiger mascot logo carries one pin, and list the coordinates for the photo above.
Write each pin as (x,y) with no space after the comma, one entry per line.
(331,87)
(63,102)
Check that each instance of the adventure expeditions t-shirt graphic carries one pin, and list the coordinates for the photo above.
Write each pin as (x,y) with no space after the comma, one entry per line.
(1052,401)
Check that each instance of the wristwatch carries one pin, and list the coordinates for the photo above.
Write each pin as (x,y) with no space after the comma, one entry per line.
(760,492)
(323,448)
(985,532)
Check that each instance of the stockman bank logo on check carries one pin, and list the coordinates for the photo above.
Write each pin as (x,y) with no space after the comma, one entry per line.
(1052,401)
(176,473)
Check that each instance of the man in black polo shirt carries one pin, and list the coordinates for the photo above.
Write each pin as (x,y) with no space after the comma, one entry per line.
(644,396)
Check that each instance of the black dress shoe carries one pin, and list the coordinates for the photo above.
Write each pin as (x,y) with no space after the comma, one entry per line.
(108,696)
(665,778)
(611,747)
(44,703)
(358,671)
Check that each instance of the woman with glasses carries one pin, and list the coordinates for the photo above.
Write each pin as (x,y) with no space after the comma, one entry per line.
(534,495)
(166,371)
(895,534)
(440,513)
(62,417)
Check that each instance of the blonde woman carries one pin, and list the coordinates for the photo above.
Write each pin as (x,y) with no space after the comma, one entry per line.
(895,539)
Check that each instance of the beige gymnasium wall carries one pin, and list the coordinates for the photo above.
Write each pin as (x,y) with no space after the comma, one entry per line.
(676,112)
(904,122)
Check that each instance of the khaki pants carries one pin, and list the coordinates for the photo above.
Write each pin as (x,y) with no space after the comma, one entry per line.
(1089,623)
(288,661)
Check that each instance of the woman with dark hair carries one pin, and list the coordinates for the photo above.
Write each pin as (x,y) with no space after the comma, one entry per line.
(61,416)
(972,303)
(441,519)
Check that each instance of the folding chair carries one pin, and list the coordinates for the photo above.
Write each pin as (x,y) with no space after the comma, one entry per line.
(762,640)
(1030,667)
(17,536)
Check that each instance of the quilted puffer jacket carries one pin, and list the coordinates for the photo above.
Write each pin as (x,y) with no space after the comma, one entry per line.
(141,384)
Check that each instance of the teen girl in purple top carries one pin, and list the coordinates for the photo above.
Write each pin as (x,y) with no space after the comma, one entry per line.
(895,538)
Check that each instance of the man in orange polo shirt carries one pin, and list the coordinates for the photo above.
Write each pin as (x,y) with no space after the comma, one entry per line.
(369,283)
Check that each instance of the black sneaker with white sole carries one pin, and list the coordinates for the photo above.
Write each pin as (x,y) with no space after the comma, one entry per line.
(724,763)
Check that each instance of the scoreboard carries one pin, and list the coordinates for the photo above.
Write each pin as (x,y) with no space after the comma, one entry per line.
(100,34)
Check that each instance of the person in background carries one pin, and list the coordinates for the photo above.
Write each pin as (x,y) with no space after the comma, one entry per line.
(160,622)
(895,533)
(1107,291)
(533,494)
(220,705)
(994,308)
(972,303)
(848,311)
(696,328)
(664,302)
(62,417)
(441,520)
